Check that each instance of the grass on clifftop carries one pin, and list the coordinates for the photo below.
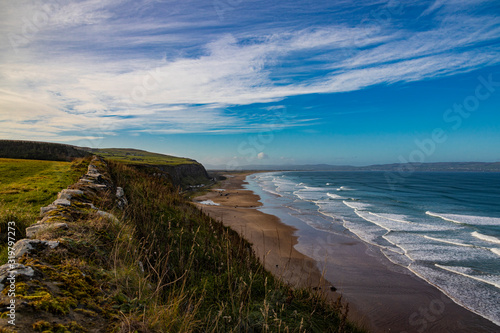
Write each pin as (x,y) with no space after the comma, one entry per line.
(135,156)
(27,185)
(200,276)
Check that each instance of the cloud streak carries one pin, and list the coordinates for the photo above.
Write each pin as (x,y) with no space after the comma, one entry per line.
(90,65)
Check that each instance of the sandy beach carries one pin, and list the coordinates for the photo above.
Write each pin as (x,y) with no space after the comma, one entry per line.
(273,241)
(382,297)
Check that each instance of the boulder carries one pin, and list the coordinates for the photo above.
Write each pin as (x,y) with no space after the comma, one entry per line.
(32,230)
(68,194)
(16,270)
(24,246)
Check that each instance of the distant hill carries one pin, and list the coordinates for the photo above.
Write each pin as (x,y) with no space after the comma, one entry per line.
(136,156)
(418,167)
(35,150)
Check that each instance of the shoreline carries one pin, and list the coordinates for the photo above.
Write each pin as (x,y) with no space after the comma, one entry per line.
(382,296)
(272,240)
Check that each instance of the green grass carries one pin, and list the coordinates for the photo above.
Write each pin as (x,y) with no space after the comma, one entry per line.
(200,276)
(135,156)
(27,185)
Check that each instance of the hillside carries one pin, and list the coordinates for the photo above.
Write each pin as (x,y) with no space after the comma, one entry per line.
(34,150)
(142,157)
(122,251)
(182,171)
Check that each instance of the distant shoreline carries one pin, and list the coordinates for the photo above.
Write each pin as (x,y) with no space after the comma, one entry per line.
(400,168)
(380,297)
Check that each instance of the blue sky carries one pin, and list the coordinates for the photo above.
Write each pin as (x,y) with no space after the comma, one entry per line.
(237,82)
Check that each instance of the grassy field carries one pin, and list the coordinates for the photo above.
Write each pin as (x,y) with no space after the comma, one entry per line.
(27,185)
(135,156)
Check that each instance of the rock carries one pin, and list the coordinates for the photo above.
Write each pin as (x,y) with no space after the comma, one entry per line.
(31,231)
(120,193)
(108,216)
(62,202)
(47,209)
(16,270)
(121,200)
(68,194)
(24,246)
(97,186)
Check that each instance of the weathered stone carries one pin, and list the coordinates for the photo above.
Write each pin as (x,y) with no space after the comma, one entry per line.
(107,215)
(32,230)
(120,193)
(9,270)
(26,245)
(121,200)
(68,194)
(62,202)
(47,209)
(97,186)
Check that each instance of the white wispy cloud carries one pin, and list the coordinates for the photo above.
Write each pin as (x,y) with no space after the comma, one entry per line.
(86,69)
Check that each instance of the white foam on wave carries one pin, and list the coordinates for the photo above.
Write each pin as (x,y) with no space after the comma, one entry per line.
(448,241)
(335,196)
(395,224)
(366,234)
(495,250)
(310,193)
(345,188)
(467,219)
(462,290)
(209,203)
(285,185)
(313,188)
(271,191)
(385,224)
(486,238)
(356,205)
(494,280)
(397,258)
(429,250)
(393,217)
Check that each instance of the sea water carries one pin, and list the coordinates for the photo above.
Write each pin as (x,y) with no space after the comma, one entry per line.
(442,226)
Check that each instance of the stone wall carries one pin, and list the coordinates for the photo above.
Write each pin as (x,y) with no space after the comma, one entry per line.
(79,202)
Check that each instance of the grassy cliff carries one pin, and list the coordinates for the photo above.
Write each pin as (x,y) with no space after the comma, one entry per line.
(181,171)
(158,265)
(35,150)
(140,157)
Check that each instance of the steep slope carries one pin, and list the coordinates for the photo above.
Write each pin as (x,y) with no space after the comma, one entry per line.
(182,171)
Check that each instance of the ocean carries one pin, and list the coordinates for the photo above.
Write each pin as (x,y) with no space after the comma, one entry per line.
(442,226)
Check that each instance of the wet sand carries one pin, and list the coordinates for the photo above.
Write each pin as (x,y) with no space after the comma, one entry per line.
(383,297)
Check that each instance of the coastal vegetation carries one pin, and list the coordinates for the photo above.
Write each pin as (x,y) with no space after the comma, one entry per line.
(156,264)
(183,172)
(27,185)
(140,157)
(205,277)
(35,150)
